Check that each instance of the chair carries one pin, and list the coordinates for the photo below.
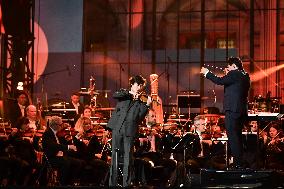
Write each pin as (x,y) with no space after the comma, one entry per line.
(52,176)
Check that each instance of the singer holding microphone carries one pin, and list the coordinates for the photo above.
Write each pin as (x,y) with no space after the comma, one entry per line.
(129,112)
(236,84)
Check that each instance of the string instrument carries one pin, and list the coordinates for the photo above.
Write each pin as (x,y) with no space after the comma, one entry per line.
(88,134)
(94,131)
(276,141)
(206,136)
(143,96)
(6,129)
(67,132)
(217,134)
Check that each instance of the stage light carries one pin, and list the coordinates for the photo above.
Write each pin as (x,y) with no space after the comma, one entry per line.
(265,73)
(20,86)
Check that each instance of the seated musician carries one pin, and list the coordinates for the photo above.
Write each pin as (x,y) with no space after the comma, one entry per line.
(23,151)
(32,115)
(211,153)
(148,153)
(17,109)
(274,148)
(200,149)
(253,153)
(77,105)
(35,124)
(87,135)
(57,153)
(91,150)
(154,136)
(87,112)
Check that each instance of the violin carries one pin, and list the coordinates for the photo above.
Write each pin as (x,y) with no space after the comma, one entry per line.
(276,141)
(206,136)
(143,97)
(89,134)
(28,133)
(67,132)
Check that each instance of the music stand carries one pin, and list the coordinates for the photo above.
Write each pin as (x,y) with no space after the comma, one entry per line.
(188,102)
(183,143)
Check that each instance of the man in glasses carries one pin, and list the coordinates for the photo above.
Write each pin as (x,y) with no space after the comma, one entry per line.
(236,84)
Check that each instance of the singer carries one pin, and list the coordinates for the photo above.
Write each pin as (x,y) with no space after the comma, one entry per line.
(129,112)
(236,86)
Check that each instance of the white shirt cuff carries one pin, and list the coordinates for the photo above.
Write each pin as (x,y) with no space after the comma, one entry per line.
(206,73)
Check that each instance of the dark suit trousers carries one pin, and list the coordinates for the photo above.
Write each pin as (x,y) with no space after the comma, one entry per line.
(234,124)
(124,145)
(69,168)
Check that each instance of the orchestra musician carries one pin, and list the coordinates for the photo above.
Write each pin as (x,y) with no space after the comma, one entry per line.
(56,153)
(254,140)
(33,117)
(24,152)
(35,124)
(87,112)
(77,105)
(201,150)
(149,149)
(274,148)
(91,150)
(236,86)
(209,152)
(151,132)
(87,135)
(129,112)
(17,109)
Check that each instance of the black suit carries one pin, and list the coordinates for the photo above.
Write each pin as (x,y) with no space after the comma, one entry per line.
(99,168)
(14,113)
(236,86)
(124,124)
(74,115)
(69,167)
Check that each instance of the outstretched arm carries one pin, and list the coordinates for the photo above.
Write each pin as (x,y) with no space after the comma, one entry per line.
(227,79)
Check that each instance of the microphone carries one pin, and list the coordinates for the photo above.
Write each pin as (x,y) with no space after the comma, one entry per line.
(68,69)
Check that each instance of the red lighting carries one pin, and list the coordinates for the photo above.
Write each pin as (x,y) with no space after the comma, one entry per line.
(2,30)
(137,13)
(41,51)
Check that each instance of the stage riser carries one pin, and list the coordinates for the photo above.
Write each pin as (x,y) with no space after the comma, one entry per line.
(240,178)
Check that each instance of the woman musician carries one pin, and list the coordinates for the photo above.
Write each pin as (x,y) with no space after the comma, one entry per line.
(90,150)
(274,148)
(87,142)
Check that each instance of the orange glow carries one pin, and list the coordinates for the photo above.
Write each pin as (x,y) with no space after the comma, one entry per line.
(2,30)
(112,75)
(104,59)
(265,73)
(41,51)
(137,13)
